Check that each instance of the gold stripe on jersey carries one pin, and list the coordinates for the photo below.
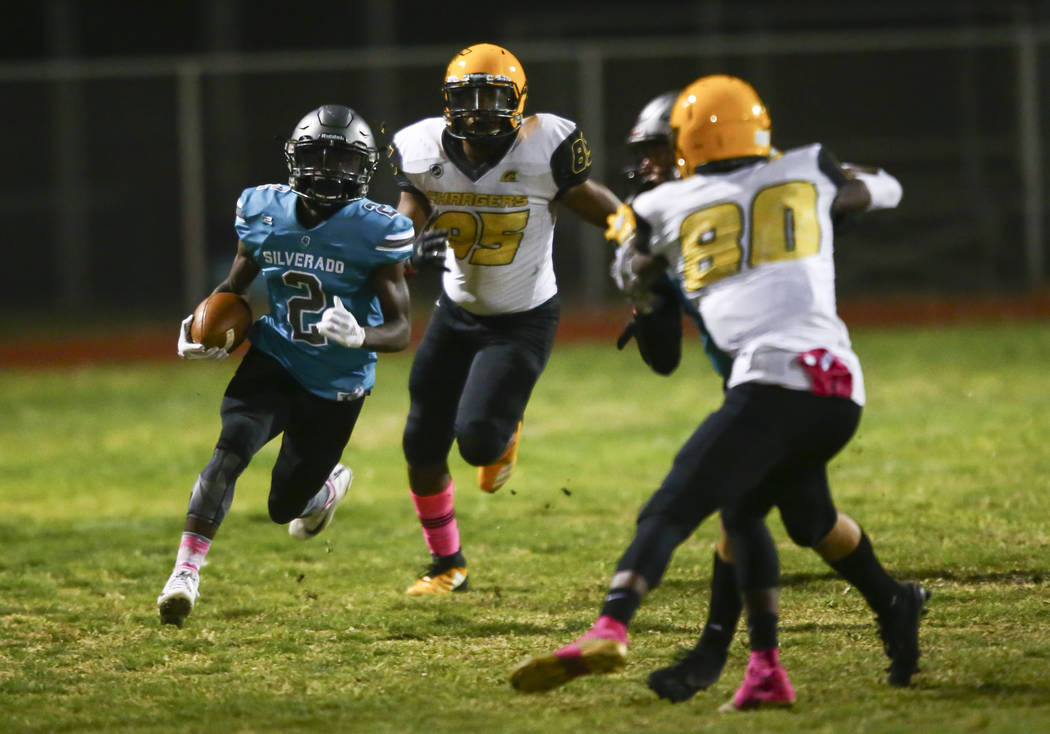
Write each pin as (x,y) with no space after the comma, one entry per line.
(469,198)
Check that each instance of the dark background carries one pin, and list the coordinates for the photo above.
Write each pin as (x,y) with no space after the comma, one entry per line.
(98,207)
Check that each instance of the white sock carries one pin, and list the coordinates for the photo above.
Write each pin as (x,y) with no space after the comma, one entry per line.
(192,550)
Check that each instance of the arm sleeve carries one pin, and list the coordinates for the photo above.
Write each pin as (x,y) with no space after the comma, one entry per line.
(659,333)
(571,161)
(829,165)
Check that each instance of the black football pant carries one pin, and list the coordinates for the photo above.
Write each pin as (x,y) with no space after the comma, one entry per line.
(765,446)
(471,379)
(263,400)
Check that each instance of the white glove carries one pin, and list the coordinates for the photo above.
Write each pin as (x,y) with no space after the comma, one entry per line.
(629,282)
(620,270)
(189,349)
(884,189)
(340,326)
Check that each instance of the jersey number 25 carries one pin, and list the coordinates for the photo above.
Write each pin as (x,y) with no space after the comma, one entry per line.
(488,238)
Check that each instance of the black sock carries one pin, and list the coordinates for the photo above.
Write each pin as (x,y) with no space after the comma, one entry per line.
(621,604)
(724,610)
(762,629)
(862,569)
(454,560)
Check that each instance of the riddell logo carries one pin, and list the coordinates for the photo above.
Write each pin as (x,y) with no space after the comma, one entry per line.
(509,177)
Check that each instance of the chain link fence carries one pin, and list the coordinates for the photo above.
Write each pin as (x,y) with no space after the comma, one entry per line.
(122,176)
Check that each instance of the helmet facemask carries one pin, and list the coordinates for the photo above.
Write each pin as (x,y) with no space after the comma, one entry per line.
(482,106)
(652,163)
(330,171)
(649,145)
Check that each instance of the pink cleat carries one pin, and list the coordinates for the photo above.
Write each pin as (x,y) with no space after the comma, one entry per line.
(602,649)
(765,684)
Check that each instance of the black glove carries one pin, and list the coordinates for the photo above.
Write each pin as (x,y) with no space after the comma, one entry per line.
(428,249)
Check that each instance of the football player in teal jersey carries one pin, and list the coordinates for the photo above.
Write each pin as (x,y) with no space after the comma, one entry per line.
(334,264)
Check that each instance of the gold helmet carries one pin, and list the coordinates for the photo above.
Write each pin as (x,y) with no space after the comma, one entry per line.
(484,92)
(715,118)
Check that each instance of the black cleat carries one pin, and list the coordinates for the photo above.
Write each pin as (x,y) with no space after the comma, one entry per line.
(899,630)
(699,669)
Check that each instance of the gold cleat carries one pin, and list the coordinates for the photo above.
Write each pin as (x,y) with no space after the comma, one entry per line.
(435,583)
(586,656)
(494,476)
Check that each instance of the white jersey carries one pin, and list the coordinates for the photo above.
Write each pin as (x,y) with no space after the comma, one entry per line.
(500,214)
(752,249)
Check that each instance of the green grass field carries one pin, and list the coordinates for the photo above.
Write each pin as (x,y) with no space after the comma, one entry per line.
(949,474)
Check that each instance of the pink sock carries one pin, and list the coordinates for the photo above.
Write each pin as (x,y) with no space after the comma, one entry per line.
(437,515)
(192,550)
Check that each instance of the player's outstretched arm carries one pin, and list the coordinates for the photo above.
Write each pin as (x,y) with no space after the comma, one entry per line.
(864,188)
(884,191)
(591,201)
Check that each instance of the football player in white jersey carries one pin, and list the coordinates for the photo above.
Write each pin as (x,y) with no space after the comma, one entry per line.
(658,332)
(333,261)
(496,179)
(749,237)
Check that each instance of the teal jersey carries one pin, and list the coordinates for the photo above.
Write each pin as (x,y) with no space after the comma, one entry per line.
(305,269)
(721,361)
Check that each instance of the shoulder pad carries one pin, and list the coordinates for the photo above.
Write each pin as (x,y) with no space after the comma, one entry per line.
(390,231)
(419,142)
(803,151)
(256,198)
(548,127)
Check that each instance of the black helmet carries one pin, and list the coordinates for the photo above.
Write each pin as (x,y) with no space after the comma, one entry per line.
(331,155)
(654,121)
(651,136)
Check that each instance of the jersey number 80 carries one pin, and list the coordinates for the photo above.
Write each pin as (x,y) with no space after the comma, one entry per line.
(784,226)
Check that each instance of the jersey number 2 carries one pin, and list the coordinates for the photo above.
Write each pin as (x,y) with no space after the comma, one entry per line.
(489,238)
(311,302)
(784,226)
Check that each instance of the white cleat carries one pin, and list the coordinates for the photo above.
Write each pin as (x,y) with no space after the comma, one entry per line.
(304,528)
(179,596)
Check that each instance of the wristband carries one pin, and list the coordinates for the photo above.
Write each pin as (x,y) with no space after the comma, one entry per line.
(885,191)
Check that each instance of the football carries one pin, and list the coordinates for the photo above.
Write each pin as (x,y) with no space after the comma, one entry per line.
(221,320)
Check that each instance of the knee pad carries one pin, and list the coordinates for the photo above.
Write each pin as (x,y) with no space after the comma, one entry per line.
(481,442)
(213,492)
